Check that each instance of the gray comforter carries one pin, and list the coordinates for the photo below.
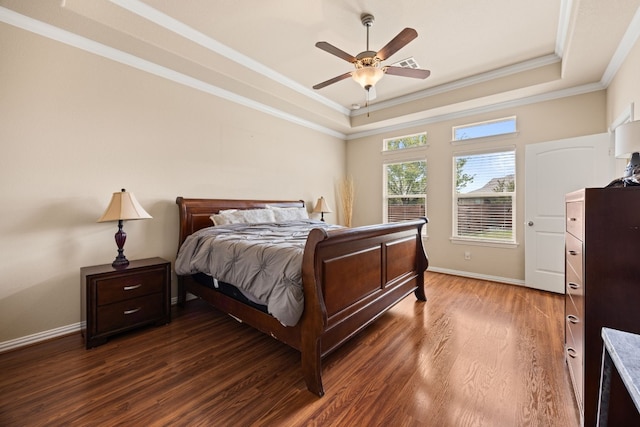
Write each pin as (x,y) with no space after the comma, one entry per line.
(264,260)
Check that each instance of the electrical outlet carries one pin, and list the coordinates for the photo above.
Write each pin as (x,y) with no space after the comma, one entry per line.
(467,255)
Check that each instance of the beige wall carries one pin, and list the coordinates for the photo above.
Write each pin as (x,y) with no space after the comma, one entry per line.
(76,127)
(547,121)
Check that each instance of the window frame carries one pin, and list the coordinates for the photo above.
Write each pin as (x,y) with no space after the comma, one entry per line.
(484,137)
(403,155)
(455,237)
(385,148)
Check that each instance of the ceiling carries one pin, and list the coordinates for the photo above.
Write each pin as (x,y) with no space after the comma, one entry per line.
(481,53)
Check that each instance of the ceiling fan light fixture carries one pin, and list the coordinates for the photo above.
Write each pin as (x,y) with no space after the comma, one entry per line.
(367,77)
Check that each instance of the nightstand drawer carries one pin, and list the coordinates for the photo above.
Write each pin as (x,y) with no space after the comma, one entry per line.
(129,286)
(129,313)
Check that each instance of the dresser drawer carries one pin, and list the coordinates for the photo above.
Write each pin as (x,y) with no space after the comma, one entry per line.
(130,286)
(575,212)
(574,348)
(574,328)
(573,254)
(575,364)
(126,314)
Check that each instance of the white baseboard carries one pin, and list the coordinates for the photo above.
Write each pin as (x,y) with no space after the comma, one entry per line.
(477,276)
(52,333)
(40,336)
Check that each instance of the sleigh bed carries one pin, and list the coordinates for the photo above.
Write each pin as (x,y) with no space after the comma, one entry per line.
(350,276)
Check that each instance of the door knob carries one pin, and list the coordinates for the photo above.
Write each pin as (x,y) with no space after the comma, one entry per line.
(530,223)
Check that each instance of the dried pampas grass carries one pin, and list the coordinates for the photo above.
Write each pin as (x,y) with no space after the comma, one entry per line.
(347,194)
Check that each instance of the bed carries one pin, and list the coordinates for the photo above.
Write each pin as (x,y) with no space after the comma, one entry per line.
(350,277)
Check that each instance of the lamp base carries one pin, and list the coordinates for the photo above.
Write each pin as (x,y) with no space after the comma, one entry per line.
(631,175)
(121,237)
(121,261)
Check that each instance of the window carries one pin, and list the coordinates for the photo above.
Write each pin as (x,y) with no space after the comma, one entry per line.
(409,141)
(482,129)
(484,196)
(405,190)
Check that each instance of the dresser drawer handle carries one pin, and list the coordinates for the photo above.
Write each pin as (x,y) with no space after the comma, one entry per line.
(135,310)
(574,285)
(573,319)
(573,252)
(130,288)
(572,352)
(573,219)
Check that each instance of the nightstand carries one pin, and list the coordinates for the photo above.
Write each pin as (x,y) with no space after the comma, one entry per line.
(118,300)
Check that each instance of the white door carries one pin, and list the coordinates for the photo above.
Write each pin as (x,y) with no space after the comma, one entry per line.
(553,169)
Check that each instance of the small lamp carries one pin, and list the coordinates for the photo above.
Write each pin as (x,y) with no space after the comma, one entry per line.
(321,208)
(123,206)
(627,143)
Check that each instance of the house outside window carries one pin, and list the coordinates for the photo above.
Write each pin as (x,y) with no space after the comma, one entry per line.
(484,197)
(405,178)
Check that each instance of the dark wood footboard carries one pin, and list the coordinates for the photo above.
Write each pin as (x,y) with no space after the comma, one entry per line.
(350,277)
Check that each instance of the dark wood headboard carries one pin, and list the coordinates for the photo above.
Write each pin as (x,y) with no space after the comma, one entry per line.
(195,213)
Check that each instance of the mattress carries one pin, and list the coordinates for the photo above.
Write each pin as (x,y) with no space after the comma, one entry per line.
(263,260)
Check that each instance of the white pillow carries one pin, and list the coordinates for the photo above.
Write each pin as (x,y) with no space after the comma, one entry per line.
(243,216)
(221,219)
(289,214)
(250,216)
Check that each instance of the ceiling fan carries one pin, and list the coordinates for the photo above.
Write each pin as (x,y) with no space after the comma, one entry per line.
(368,68)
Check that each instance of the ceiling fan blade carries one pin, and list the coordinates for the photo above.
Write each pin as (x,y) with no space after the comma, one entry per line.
(398,42)
(332,81)
(416,73)
(335,51)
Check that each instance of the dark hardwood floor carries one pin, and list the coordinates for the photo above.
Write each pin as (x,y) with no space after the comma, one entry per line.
(475,354)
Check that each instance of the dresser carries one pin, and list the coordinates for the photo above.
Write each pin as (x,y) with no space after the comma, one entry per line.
(115,300)
(602,278)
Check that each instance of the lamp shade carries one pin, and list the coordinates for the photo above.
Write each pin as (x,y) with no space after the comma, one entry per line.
(123,206)
(627,139)
(367,76)
(322,206)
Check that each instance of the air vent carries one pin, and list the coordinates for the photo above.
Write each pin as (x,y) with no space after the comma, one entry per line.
(407,63)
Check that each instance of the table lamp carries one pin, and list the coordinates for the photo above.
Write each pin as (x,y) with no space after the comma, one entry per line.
(627,143)
(322,208)
(123,206)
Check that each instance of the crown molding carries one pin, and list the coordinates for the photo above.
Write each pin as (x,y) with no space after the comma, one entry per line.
(626,44)
(49,31)
(54,33)
(563,93)
(171,24)
(462,83)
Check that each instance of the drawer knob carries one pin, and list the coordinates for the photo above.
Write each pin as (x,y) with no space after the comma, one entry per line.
(573,285)
(573,319)
(135,310)
(573,253)
(572,219)
(572,352)
(130,288)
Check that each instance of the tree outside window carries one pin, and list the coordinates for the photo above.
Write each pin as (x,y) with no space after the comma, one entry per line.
(406,190)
